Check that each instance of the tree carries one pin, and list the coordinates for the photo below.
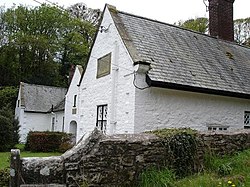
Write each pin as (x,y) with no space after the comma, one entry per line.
(38,43)
(8,96)
(9,129)
(81,11)
(198,24)
(242,31)
(241,28)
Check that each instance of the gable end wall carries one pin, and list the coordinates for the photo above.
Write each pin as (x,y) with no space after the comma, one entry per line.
(116,89)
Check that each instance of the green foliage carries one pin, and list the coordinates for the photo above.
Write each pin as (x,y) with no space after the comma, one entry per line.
(157,178)
(242,31)
(241,28)
(182,147)
(38,44)
(6,135)
(225,169)
(8,96)
(9,129)
(167,133)
(235,170)
(5,160)
(4,177)
(198,24)
(47,141)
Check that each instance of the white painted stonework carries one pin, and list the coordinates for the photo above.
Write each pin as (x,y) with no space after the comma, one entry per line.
(70,116)
(116,89)
(131,110)
(158,108)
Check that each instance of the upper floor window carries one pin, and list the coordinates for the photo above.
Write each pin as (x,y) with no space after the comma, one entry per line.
(103,66)
(74,104)
(53,124)
(101,120)
(247,119)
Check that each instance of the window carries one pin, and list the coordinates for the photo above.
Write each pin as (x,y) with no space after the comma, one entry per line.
(247,119)
(18,103)
(53,124)
(217,127)
(75,96)
(101,120)
(74,110)
(63,125)
(103,66)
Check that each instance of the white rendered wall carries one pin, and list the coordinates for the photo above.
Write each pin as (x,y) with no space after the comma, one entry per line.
(116,89)
(158,108)
(59,121)
(69,101)
(34,122)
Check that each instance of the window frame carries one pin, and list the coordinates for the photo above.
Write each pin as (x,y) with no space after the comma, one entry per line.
(246,120)
(101,124)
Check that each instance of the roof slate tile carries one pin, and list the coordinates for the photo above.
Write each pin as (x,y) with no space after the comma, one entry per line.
(186,57)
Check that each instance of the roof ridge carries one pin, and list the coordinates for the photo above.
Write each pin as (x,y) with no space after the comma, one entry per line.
(182,28)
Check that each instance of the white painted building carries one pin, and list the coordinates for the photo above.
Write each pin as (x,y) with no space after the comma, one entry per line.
(143,75)
(39,108)
(72,102)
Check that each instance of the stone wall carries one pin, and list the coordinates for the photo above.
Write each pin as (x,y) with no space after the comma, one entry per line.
(118,160)
(226,143)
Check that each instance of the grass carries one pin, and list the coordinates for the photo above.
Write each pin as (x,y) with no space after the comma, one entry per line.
(231,171)
(5,156)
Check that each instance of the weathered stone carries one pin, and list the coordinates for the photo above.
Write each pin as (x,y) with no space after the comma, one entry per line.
(106,161)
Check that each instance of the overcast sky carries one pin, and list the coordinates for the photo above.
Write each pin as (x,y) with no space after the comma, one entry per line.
(169,11)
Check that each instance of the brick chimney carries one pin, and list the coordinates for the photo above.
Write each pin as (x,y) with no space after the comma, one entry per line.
(221,19)
(71,73)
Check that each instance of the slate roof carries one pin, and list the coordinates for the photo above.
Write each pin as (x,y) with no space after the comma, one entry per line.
(40,98)
(184,59)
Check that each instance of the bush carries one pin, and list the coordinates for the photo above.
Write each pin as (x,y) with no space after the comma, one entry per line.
(182,149)
(4,177)
(47,141)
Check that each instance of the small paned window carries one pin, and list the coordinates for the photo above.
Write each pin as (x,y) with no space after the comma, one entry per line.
(217,128)
(247,119)
(101,121)
(103,66)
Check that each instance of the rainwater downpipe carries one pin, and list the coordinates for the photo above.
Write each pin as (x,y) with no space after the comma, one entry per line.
(115,65)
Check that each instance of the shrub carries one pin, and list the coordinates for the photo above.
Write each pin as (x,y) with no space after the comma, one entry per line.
(182,148)
(4,177)
(46,141)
